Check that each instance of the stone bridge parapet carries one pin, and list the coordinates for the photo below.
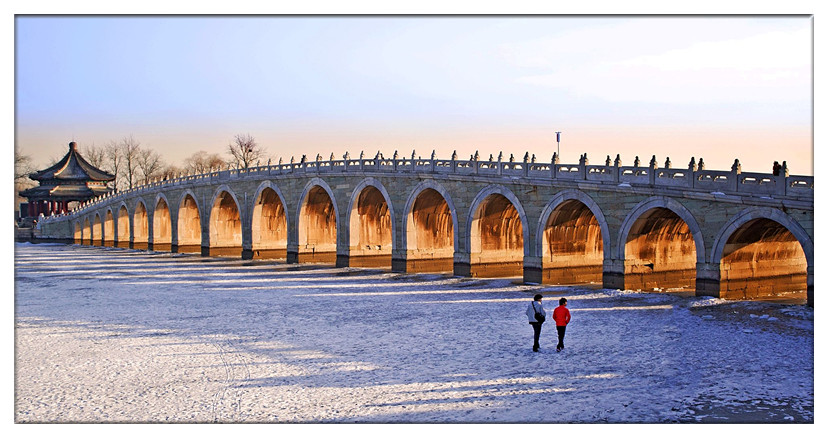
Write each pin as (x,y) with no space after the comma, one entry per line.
(729,233)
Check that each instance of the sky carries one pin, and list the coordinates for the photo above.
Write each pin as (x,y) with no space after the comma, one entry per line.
(711,87)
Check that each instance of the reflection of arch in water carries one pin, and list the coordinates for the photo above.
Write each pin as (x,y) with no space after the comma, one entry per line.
(660,243)
(574,239)
(225,224)
(189,225)
(429,236)
(496,234)
(370,225)
(269,227)
(161,225)
(140,226)
(317,222)
(763,253)
(124,228)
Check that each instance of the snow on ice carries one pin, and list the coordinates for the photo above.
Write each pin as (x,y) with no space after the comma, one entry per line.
(114,335)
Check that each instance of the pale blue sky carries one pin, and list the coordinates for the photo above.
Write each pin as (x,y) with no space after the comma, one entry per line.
(715,87)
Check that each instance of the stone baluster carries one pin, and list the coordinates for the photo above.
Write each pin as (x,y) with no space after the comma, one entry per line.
(616,172)
(500,163)
(454,162)
(782,180)
(555,160)
(652,171)
(433,159)
(583,162)
(735,171)
(668,164)
(691,174)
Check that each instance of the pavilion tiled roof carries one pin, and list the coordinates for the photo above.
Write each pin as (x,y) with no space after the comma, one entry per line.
(72,167)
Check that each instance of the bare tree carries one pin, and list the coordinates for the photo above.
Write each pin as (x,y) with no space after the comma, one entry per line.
(22,167)
(202,162)
(114,161)
(129,152)
(244,151)
(170,171)
(150,164)
(94,155)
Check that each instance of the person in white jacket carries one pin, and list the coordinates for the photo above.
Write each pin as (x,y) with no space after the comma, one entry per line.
(534,307)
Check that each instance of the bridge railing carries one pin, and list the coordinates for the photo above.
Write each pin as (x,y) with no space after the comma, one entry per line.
(733,182)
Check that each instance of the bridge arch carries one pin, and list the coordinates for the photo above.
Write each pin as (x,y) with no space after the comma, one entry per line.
(430,234)
(124,226)
(161,224)
(269,222)
(225,218)
(317,219)
(763,252)
(369,225)
(497,233)
(86,234)
(663,232)
(109,228)
(188,224)
(97,230)
(140,226)
(573,239)
(78,234)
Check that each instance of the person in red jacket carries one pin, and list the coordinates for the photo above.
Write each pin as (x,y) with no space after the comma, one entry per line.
(561,317)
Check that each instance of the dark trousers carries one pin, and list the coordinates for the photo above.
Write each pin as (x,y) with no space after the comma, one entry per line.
(561,333)
(537,327)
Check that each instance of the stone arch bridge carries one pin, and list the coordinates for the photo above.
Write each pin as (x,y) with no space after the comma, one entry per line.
(721,233)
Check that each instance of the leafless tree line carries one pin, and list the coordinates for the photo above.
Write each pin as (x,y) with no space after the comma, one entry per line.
(133,164)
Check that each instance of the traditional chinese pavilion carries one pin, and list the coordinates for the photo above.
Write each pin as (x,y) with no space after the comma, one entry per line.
(72,179)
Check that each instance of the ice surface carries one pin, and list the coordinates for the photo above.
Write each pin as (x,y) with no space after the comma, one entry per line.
(115,335)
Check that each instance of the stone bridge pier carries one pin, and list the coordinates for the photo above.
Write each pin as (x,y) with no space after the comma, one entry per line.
(725,234)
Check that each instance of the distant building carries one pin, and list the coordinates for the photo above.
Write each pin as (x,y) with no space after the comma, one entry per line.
(71,180)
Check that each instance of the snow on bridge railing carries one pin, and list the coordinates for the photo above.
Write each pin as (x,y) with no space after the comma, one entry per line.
(694,177)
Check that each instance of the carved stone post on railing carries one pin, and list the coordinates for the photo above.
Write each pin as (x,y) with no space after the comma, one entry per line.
(555,165)
(583,162)
(782,180)
(651,172)
(616,172)
(735,171)
(500,163)
(526,165)
(691,174)
(433,159)
(454,162)
(668,164)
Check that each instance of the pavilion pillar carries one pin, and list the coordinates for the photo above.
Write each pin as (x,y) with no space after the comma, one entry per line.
(31,209)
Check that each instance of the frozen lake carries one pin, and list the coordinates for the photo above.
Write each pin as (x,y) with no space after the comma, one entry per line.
(115,335)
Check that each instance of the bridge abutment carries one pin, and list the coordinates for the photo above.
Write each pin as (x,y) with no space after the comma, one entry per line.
(532,270)
(343,260)
(708,280)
